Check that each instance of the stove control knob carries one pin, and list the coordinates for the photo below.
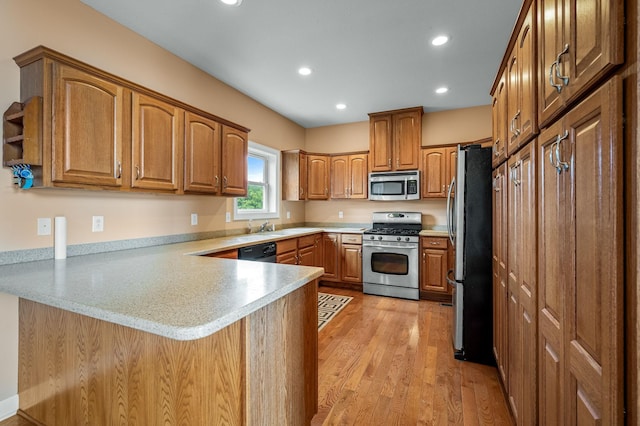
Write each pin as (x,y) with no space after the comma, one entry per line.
(407,239)
(372,237)
(399,238)
(379,238)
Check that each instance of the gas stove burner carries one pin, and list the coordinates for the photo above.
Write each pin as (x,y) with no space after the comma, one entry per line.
(392,231)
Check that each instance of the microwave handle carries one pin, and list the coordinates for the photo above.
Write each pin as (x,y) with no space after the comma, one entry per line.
(450,212)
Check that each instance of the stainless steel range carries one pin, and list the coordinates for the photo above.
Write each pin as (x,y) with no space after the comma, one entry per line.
(390,255)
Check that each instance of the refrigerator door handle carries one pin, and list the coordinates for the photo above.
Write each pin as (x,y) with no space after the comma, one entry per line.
(450,209)
(450,281)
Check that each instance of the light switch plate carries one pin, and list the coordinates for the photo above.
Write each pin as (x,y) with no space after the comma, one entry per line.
(44,226)
(340,215)
(194,219)
(227,217)
(288,215)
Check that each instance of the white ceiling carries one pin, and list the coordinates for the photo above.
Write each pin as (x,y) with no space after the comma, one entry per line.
(372,55)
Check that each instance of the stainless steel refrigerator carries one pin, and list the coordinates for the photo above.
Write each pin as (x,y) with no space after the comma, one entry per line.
(470,230)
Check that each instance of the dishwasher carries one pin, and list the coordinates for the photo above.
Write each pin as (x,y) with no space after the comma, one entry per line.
(264,252)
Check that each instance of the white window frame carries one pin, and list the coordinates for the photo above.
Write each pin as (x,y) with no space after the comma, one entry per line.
(272,187)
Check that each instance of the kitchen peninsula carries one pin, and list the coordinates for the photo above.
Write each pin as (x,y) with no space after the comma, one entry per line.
(154,336)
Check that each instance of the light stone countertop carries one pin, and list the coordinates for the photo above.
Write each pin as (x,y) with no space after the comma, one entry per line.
(157,289)
(434,233)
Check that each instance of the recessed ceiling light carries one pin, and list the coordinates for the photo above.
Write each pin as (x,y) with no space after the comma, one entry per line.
(304,71)
(340,106)
(440,40)
(232,2)
(441,90)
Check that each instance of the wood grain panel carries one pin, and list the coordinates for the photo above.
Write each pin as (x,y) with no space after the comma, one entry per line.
(79,370)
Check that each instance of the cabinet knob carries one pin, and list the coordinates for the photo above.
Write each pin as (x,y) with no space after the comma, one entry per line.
(137,172)
(119,175)
(224,182)
(217,179)
(389,162)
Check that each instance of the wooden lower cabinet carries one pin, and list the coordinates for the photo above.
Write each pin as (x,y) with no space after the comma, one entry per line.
(261,369)
(342,260)
(299,251)
(434,264)
(580,261)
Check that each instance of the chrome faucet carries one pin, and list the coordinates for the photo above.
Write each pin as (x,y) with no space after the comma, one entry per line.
(263,227)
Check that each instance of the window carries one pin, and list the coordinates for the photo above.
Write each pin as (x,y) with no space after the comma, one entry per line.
(263,190)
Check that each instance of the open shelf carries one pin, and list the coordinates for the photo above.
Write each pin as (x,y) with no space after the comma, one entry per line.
(22,133)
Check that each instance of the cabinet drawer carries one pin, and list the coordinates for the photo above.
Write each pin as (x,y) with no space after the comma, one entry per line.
(434,242)
(351,239)
(307,241)
(285,246)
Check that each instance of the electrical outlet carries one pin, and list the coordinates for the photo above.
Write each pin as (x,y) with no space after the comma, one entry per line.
(194,219)
(97,224)
(44,226)
(288,215)
(340,215)
(227,217)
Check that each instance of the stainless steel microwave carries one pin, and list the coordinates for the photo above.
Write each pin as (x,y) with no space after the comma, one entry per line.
(392,186)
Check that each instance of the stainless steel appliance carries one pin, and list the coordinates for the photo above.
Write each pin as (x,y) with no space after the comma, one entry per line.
(390,255)
(469,224)
(264,252)
(394,186)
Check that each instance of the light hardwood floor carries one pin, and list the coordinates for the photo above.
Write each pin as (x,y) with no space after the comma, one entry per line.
(388,361)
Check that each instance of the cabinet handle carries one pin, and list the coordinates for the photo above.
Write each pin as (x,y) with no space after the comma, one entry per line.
(433,243)
(514,174)
(398,162)
(564,78)
(137,172)
(443,187)
(326,191)
(495,148)
(552,80)
(301,191)
(424,256)
(297,259)
(514,129)
(561,165)
(495,183)
(389,162)
(119,175)
(224,182)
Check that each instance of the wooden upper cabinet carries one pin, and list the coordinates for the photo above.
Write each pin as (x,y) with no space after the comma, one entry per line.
(499,118)
(521,86)
(202,154)
(349,177)
(294,175)
(88,129)
(394,140)
(157,132)
(318,167)
(380,145)
(438,168)
(235,145)
(579,42)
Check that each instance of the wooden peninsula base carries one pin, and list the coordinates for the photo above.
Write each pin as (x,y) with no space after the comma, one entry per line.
(262,369)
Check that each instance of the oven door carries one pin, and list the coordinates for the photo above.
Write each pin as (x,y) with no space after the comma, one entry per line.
(388,263)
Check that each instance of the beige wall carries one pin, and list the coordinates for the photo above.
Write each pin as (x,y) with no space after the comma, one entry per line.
(445,127)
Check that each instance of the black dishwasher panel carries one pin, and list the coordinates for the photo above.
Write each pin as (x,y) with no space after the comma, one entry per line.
(264,252)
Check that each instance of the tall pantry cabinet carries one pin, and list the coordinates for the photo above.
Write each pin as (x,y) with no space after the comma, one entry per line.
(558,216)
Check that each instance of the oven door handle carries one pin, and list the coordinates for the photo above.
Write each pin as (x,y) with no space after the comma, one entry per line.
(390,247)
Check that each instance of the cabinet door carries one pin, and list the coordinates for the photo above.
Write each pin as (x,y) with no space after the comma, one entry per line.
(306,256)
(380,145)
(234,161)
(340,176)
(351,265)
(318,250)
(551,281)
(407,137)
(512,101)
(287,258)
(593,268)
(434,270)
(318,184)
(294,175)
(434,176)
(499,248)
(581,41)
(358,176)
(88,129)
(157,129)
(202,154)
(331,256)
(526,121)
(499,117)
